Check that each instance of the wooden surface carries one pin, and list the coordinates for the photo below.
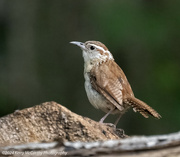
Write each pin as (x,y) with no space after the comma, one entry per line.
(138,146)
(50,129)
(51,121)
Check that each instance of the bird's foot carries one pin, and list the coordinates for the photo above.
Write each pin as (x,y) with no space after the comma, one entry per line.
(121,133)
(109,124)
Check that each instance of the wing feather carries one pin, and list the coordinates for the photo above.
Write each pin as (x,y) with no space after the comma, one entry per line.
(114,86)
(108,83)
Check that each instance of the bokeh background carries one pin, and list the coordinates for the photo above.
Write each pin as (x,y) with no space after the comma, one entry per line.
(37,63)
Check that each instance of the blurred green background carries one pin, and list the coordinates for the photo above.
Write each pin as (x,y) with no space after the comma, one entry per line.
(37,63)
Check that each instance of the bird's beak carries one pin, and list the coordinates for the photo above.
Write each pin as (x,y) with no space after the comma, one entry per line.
(80,44)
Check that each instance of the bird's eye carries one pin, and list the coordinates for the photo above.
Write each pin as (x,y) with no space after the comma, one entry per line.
(92,47)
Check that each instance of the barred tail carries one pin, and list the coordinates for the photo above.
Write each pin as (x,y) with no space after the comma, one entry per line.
(141,107)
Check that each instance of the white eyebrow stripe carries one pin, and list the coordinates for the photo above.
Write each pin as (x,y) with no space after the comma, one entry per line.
(99,47)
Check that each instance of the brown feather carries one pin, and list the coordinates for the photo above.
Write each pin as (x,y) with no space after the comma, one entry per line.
(111,84)
(142,107)
(114,86)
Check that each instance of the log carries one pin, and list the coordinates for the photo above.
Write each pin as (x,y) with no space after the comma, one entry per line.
(137,146)
(51,121)
(50,129)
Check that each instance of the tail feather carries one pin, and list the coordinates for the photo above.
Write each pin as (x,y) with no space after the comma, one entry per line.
(141,107)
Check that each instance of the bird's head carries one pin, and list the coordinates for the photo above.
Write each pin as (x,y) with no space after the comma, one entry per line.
(94,50)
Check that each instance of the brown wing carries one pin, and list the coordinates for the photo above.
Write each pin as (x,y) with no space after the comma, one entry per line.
(112,84)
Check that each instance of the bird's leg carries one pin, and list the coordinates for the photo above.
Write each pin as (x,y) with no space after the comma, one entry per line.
(119,131)
(103,118)
(117,120)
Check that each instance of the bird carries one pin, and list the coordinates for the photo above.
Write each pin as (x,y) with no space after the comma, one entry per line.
(106,85)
